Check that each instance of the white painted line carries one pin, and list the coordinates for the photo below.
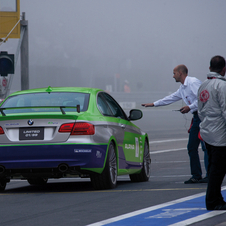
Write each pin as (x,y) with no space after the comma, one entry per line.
(174,161)
(138,212)
(163,151)
(164,141)
(199,218)
(171,176)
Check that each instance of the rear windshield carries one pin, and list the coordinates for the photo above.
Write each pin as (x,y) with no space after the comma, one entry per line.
(52,99)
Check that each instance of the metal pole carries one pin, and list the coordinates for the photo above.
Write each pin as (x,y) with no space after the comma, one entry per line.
(11,76)
(24,55)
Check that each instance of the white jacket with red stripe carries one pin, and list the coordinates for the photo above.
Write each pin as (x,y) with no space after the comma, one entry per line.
(212,109)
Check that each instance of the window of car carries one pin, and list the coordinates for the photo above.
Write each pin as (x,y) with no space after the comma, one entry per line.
(52,99)
(109,107)
(103,106)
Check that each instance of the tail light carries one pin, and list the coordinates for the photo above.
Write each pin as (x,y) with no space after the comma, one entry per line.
(83,128)
(1,130)
(66,128)
(78,128)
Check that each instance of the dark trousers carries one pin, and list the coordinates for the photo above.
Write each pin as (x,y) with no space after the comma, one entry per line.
(216,173)
(193,145)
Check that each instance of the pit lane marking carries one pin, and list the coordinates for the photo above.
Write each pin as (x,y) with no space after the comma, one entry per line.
(169,150)
(99,191)
(165,141)
(188,221)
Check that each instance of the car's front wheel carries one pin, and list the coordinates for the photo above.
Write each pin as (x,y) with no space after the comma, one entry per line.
(145,172)
(108,178)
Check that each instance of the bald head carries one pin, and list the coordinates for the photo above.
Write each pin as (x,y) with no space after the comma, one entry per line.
(180,72)
(182,68)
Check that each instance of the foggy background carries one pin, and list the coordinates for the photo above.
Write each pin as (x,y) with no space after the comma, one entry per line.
(95,43)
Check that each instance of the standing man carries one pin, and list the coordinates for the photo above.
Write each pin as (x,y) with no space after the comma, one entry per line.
(188,92)
(212,112)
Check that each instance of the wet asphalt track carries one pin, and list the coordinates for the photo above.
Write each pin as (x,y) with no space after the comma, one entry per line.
(74,202)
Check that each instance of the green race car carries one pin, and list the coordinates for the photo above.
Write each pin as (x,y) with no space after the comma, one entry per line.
(70,132)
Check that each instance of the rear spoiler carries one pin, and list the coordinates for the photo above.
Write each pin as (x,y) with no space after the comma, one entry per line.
(61,108)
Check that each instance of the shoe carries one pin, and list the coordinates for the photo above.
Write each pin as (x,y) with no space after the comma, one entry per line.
(192,181)
(220,207)
(204,180)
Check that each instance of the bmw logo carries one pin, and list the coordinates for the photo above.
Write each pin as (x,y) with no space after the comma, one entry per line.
(30,122)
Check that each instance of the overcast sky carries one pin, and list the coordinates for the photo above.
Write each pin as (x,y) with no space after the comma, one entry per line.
(142,40)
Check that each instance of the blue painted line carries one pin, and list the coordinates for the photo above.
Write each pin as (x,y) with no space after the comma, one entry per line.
(167,215)
(187,210)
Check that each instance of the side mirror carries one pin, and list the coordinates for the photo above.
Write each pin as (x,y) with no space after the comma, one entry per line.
(135,114)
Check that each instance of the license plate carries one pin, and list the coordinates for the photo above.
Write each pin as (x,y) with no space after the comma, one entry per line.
(34,133)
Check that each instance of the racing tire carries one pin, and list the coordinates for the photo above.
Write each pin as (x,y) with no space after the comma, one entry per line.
(37,181)
(108,178)
(2,185)
(145,171)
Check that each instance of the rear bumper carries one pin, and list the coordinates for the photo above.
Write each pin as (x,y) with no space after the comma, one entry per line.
(51,156)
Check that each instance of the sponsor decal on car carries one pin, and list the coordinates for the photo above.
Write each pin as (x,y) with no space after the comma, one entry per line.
(98,154)
(129,146)
(82,150)
(137,146)
(12,124)
(52,123)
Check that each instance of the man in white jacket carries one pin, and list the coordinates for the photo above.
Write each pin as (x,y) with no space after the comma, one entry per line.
(212,113)
(188,92)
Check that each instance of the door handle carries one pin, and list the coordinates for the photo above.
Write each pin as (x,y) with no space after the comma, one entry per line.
(123,126)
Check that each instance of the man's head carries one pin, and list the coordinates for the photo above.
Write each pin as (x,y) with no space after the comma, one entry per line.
(217,64)
(179,73)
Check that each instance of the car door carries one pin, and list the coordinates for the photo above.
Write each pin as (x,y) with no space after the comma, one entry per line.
(112,122)
(131,141)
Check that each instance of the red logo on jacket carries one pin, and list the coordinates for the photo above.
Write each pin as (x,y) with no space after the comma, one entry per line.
(204,96)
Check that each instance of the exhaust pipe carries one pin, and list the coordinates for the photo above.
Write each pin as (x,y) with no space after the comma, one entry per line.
(2,169)
(63,168)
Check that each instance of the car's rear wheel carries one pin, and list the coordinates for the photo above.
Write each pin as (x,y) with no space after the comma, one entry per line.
(145,172)
(108,178)
(2,185)
(37,181)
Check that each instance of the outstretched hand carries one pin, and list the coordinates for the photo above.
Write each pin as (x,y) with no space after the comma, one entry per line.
(148,105)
